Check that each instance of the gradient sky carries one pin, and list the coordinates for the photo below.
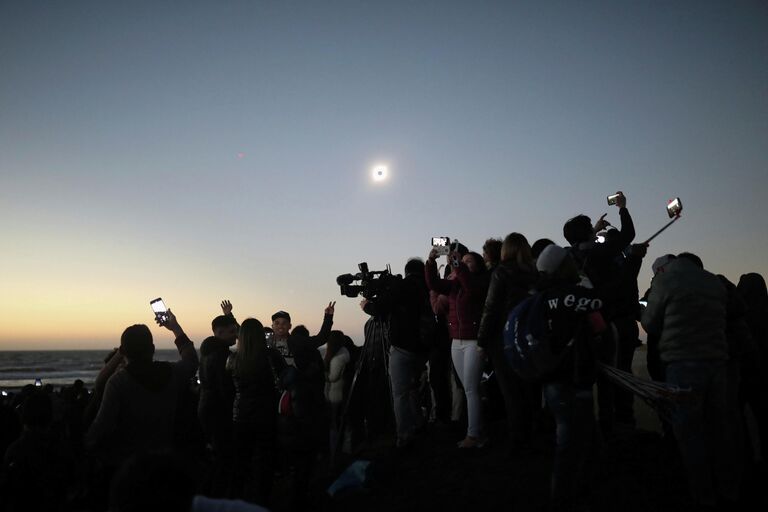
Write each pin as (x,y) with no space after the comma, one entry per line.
(207,150)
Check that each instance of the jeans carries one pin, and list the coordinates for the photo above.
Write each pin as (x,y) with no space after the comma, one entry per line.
(255,462)
(614,402)
(405,369)
(469,366)
(572,408)
(522,399)
(704,430)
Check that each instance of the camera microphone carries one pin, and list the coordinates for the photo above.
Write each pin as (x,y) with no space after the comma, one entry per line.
(345,279)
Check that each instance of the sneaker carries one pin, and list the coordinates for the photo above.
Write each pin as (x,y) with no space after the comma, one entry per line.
(472,442)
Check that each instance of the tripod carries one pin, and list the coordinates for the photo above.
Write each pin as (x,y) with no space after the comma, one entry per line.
(375,353)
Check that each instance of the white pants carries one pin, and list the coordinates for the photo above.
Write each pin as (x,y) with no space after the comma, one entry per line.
(469,367)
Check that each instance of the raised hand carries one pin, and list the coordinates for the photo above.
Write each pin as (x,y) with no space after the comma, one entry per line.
(331,308)
(169,322)
(432,255)
(226,307)
(601,223)
(621,201)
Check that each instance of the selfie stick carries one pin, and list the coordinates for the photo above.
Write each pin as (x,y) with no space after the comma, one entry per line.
(662,229)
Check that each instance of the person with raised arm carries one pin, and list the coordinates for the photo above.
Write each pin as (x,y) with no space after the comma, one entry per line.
(138,410)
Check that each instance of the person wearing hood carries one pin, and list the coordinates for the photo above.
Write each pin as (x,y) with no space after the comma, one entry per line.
(138,411)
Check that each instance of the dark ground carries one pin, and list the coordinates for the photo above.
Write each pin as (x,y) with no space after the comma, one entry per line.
(634,471)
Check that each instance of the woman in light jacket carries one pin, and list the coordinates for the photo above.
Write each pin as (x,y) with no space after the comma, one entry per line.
(336,358)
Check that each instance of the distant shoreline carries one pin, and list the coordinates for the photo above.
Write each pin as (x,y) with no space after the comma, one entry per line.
(20,368)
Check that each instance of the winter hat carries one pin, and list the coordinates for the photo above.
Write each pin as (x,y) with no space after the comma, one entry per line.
(551,258)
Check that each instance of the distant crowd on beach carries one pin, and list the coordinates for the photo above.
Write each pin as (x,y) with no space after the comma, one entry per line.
(553,326)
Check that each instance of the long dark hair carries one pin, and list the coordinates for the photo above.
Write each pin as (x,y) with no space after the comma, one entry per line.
(251,348)
(479,262)
(516,248)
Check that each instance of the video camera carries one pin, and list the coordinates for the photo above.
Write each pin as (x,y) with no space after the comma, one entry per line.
(372,283)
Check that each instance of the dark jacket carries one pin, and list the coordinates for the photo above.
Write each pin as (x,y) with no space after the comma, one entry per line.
(621,292)
(256,392)
(466,298)
(217,391)
(687,309)
(406,304)
(598,261)
(576,323)
(138,410)
(509,285)
(752,289)
(307,427)
(321,338)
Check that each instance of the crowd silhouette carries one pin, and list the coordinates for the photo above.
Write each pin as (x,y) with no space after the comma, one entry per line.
(250,420)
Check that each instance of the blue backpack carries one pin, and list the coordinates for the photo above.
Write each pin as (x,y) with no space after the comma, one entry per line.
(527,340)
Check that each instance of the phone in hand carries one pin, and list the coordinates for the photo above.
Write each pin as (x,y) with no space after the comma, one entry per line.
(442,244)
(38,383)
(158,307)
(612,199)
(674,207)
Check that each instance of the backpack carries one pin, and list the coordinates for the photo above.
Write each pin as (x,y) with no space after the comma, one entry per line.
(527,340)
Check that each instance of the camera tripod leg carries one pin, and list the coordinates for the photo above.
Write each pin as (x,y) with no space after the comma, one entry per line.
(376,345)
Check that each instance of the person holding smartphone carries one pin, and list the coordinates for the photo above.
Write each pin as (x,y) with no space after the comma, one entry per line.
(466,297)
(138,410)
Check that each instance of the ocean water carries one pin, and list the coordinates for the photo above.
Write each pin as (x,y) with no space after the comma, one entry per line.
(57,367)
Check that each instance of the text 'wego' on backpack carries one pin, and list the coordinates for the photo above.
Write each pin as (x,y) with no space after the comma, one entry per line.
(527,340)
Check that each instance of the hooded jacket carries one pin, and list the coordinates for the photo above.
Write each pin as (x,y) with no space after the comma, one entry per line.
(138,410)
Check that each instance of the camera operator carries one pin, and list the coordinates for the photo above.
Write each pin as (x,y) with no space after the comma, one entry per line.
(406,304)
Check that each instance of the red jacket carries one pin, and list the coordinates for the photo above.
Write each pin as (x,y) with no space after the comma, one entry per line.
(466,298)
